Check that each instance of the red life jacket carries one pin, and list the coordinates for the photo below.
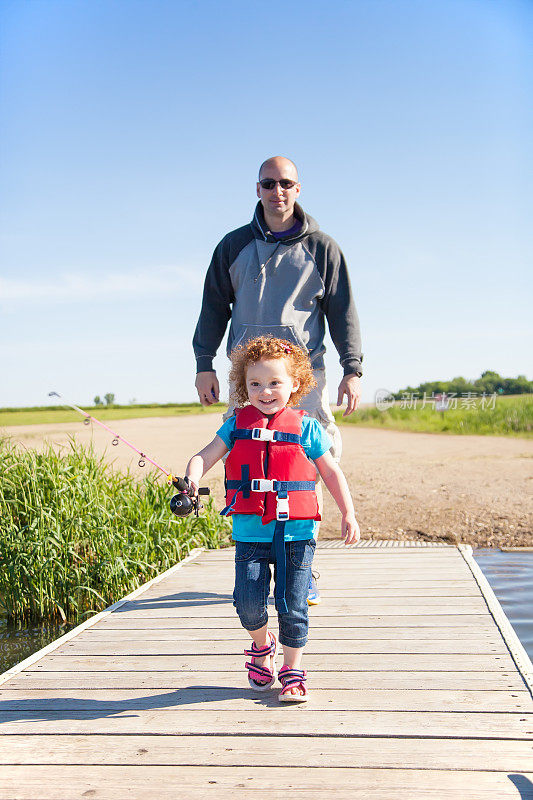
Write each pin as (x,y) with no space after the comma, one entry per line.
(281,459)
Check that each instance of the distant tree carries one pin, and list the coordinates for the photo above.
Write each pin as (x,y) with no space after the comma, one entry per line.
(109,398)
(132,401)
(97,401)
(490,382)
(519,385)
(460,386)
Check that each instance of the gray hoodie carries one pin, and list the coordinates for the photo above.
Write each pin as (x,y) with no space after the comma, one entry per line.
(285,287)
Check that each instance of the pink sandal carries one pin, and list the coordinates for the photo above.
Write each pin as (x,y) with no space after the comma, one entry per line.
(256,673)
(293,679)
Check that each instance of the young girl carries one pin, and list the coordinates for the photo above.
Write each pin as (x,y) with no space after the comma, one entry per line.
(273,454)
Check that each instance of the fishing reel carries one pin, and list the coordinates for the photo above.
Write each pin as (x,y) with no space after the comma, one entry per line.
(186,501)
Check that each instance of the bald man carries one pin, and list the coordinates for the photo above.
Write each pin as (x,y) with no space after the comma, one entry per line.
(281,275)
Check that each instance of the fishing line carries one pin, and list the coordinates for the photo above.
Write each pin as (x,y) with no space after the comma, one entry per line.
(116,437)
(181,504)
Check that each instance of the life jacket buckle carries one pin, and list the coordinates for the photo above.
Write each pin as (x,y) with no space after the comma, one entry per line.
(282,508)
(262,485)
(263,434)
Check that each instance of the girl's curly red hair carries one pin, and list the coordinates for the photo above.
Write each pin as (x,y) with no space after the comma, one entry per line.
(298,366)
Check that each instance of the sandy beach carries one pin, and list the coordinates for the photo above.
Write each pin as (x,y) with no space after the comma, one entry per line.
(473,489)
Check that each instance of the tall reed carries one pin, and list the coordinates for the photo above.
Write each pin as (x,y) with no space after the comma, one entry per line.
(76,536)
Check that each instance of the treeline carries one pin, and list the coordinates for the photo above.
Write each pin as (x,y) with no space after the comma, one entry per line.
(489,383)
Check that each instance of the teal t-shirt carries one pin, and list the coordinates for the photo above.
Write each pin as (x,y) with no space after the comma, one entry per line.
(248,527)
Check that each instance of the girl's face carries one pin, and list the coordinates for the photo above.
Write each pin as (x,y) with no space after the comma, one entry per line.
(269,384)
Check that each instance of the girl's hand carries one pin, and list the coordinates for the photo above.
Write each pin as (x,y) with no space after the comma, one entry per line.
(350,530)
(193,488)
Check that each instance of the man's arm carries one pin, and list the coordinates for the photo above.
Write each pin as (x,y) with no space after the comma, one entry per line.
(212,322)
(216,309)
(343,321)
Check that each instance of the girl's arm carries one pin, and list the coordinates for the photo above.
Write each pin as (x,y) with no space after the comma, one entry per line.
(204,460)
(333,477)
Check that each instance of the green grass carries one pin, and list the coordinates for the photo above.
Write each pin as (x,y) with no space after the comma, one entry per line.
(75,536)
(56,414)
(512,416)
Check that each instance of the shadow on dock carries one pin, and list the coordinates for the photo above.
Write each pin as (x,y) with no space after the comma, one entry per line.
(523,784)
(77,708)
(178,600)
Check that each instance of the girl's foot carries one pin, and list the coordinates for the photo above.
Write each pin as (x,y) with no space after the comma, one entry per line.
(293,681)
(262,664)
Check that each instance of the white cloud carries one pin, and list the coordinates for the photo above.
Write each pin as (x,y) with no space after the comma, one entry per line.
(72,287)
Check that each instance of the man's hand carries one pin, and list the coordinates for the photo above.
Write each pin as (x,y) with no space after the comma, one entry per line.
(350,530)
(349,386)
(207,387)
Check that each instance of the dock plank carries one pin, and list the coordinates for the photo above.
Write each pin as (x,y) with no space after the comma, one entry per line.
(363,606)
(211,662)
(408,590)
(101,633)
(65,782)
(334,679)
(236,698)
(129,647)
(474,621)
(269,720)
(226,750)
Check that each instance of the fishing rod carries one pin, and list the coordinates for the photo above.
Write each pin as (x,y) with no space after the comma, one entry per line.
(181,504)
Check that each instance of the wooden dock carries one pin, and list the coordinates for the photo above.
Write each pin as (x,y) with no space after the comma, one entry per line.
(420,689)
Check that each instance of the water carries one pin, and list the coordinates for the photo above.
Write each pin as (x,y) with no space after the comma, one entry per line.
(511,578)
(509,574)
(18,641)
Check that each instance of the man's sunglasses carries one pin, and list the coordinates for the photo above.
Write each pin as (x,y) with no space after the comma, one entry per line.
(269,183)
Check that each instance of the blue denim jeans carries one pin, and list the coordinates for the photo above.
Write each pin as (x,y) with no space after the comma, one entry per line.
(252,587)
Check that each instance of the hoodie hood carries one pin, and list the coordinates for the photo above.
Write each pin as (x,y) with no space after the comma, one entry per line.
(261,231)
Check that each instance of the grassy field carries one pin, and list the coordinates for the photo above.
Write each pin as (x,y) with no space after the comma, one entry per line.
(53,414)
(76,536)
(511,416)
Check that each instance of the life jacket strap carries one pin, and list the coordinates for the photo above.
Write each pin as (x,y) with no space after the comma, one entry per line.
(266,435)
(281,568)
(264,485)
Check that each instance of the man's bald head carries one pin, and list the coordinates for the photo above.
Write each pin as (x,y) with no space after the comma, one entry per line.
(279,163)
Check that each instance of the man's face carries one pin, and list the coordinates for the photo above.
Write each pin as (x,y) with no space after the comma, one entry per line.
(279,202)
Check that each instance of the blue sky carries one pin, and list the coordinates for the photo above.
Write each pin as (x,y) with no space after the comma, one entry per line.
(130,137)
